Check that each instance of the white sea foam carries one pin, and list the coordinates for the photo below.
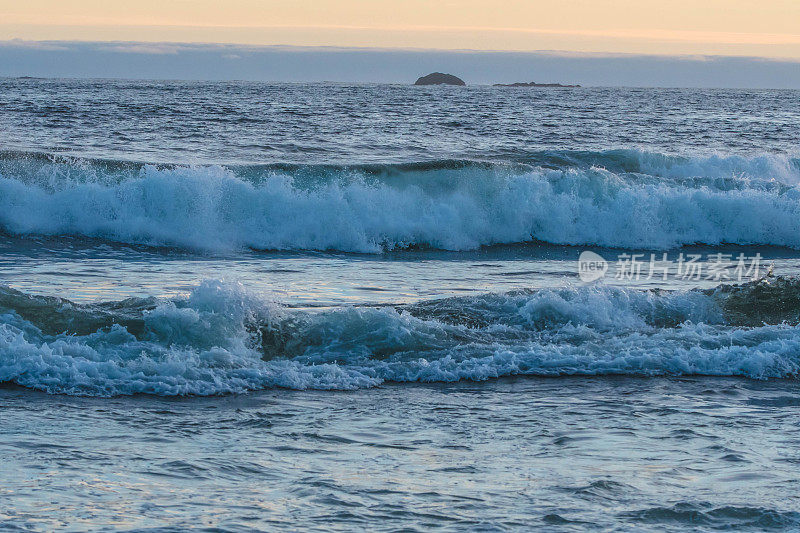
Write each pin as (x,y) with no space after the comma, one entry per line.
(223,340)
(771,167)
(215,208)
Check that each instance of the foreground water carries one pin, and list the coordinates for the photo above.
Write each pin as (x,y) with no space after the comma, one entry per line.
(567,454)
(329,306)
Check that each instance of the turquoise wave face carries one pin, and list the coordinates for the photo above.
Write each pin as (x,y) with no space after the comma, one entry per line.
(663,202)
(220,339)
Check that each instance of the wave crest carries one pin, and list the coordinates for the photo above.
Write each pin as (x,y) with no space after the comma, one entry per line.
(222,339)
(663,202)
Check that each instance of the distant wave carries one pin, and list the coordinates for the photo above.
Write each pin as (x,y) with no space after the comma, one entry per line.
(222,339)
(620,198)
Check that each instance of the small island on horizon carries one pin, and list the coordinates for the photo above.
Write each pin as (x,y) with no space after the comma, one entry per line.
(439,78)
(532,84)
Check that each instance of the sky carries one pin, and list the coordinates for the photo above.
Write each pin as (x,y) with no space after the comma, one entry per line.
(763,37)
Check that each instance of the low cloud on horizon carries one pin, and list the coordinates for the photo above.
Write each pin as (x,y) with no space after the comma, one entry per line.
(199,61)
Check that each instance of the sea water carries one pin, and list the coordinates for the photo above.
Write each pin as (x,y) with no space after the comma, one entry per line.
(243,306)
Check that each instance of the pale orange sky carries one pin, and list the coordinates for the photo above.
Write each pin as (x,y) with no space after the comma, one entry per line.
(769,28)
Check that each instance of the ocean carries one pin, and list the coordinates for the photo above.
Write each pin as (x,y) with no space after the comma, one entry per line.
(247,306)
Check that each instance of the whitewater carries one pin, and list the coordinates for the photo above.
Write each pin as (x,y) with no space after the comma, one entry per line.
(222,340)
(657,202)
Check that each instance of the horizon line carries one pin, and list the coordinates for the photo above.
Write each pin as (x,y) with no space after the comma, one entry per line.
(401,84)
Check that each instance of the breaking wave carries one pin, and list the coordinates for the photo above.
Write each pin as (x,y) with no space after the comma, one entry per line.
(221,339)
(620,198)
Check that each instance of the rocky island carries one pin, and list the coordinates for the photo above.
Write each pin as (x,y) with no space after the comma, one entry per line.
(438,78)
(532,84)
